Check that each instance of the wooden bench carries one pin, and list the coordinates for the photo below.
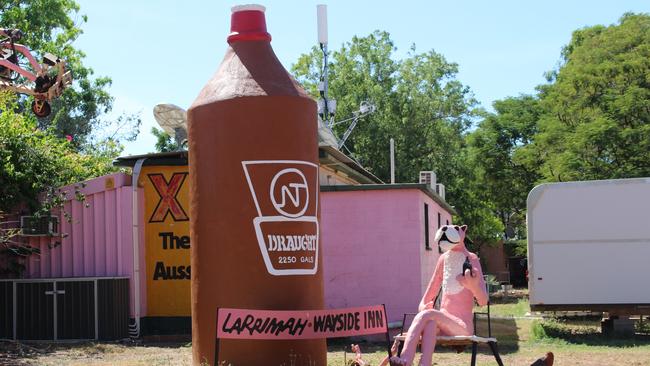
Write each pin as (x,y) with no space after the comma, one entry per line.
(460,342)
(463,341)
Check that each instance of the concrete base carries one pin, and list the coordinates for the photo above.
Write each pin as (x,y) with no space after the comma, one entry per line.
(617,325)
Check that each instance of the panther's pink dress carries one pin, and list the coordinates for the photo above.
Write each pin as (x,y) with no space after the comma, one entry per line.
(455,316)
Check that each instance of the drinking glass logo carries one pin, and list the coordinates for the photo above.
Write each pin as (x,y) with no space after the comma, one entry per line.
(285,193)
(292,183)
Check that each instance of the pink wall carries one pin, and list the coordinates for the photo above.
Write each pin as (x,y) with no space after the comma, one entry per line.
(373,248)
(99,241)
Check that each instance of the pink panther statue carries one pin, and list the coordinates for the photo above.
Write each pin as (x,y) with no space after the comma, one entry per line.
(459,273)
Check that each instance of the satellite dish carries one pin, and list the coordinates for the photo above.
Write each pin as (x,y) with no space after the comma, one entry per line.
(173,120)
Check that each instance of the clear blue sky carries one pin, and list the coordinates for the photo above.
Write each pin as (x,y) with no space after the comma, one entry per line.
(164,51)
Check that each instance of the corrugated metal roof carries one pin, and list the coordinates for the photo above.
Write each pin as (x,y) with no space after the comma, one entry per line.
(328,155)
(164,158)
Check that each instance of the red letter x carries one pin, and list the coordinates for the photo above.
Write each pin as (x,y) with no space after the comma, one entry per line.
(168,202)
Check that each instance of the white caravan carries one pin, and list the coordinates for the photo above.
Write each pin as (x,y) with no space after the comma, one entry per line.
(589,246)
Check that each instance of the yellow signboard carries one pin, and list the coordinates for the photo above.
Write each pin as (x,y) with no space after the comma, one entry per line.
(167,239)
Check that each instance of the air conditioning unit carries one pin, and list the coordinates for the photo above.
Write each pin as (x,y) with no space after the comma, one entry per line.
(428,178)
(39,225)
(440,190)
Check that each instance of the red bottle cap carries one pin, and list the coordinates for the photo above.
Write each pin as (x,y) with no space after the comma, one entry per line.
(247,23)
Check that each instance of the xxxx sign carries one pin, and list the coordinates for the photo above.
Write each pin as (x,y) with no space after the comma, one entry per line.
(167,239)
(168,192)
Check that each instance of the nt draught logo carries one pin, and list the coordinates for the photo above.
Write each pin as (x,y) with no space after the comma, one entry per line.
(285,193)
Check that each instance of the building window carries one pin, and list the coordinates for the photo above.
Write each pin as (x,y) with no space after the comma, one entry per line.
(426,227)
(439,220)
(447,222)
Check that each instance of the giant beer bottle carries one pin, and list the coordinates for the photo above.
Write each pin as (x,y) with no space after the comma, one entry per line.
(254,198)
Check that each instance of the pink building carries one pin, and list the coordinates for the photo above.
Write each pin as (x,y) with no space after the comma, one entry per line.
(79,285)
(378,244)
(98,241)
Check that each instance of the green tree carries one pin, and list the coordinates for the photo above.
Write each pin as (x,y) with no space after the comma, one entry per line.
(420,104)
(35,161)
(505,174)
(591,121)
(51,26)
(164,142)
(596,123)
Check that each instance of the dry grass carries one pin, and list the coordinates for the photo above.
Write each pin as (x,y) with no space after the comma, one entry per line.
(564,356)
(577,347)
(576,342)
(95,354)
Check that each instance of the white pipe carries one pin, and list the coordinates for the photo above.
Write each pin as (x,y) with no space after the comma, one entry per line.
(392,161)
(136,244)
(326,88)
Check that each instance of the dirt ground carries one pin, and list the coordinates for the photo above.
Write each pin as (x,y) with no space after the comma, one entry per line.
(115,354)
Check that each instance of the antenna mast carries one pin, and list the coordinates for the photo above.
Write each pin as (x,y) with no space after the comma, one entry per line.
(326,107)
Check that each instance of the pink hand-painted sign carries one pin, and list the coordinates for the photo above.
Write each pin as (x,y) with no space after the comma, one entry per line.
(301,324)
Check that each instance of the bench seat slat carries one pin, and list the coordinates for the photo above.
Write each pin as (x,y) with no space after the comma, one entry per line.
(454,339)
